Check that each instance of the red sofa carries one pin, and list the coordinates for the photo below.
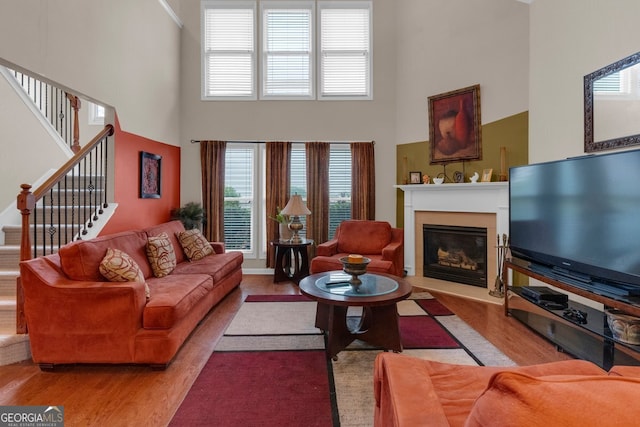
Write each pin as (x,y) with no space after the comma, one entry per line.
(376,240)
(75,315)
(415,392)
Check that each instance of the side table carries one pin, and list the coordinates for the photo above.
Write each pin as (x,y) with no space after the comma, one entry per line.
(292,260)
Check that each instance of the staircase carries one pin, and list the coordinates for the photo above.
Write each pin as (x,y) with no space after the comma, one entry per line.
(13,347)
(71,204)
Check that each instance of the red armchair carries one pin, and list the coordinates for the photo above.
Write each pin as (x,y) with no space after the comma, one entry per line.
(376,240)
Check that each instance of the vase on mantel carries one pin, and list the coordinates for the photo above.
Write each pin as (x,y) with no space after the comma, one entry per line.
(284,231)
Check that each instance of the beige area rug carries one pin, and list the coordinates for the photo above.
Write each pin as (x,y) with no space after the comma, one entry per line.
(275,326)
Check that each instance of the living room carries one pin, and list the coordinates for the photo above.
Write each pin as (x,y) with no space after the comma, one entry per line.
(527,56)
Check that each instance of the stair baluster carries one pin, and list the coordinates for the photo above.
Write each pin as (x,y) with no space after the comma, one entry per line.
(81,172)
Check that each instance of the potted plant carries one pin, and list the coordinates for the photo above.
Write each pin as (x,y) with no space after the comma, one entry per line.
(283,224)
(191,215)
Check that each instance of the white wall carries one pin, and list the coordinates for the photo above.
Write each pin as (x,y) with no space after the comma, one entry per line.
(122,53)
(485,41)
(131,55)
(444,45)
(570,39)
(21,135)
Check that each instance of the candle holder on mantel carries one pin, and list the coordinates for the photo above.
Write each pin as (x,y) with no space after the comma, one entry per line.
(498,290)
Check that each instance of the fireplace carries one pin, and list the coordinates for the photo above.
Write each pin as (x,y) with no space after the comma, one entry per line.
(483,204)
(455,253)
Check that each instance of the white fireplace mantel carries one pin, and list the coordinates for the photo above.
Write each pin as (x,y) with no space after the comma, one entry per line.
(484,197)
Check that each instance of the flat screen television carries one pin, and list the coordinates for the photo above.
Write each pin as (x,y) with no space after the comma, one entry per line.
(580,217)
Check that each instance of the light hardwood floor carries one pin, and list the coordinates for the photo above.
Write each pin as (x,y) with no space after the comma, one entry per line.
(136,395)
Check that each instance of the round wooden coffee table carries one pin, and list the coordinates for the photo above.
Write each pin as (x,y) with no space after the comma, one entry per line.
(377,296)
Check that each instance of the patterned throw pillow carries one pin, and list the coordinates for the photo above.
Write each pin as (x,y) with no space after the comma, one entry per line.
(161,255)
(118,266)
(195,245)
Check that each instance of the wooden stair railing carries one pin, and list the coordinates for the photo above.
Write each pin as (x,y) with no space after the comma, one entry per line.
(86,167)
(59,107)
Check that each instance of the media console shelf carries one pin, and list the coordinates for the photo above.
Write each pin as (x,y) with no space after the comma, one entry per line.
(591,340)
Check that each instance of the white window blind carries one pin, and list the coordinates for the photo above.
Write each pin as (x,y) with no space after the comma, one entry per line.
(299,59)
(240,166)
(287,49)
(229,49)
(345,49)
(339,186)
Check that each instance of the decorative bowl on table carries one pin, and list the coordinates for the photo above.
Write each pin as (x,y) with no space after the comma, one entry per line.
(624,327)
(355,265)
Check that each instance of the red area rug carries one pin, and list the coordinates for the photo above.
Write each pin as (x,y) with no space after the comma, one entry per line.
(270,367)
(274,388)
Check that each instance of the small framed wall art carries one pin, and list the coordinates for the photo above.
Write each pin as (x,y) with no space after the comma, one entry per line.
(415,177)
(150,175)
(486,175)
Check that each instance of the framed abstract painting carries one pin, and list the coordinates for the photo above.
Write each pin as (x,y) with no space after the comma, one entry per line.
(150,175)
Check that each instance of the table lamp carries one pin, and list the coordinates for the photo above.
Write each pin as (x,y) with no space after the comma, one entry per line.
(294,209)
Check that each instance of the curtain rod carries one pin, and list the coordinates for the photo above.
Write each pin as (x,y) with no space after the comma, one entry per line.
(197,141)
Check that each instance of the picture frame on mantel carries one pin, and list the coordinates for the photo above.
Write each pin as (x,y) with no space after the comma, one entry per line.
(486,175)
(150,175)
(454,126)
(415,177)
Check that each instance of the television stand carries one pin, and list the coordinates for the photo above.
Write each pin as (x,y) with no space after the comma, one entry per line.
(590,339)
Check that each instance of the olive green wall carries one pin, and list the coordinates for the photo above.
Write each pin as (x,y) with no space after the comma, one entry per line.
(510,132)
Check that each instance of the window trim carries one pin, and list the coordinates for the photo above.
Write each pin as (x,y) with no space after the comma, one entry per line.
(258,54)
(228,4)
(333,4)
(287,4)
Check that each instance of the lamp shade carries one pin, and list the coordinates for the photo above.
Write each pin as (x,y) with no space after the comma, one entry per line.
(295,207)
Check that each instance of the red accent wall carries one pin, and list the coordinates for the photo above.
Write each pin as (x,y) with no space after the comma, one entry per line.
(132,211)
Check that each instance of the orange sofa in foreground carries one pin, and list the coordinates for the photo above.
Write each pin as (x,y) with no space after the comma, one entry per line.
(376,240)
(415,392)
(75,315)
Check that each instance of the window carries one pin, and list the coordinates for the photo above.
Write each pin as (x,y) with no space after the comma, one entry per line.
(339,182)
(239,209)
(228,57)
(345,57)
(287,48)
(96,114)
(339,186)
(245,185)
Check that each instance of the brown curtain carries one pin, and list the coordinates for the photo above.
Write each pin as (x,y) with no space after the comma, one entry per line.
(318,190)
(212,167)
(277,188)
(363,181)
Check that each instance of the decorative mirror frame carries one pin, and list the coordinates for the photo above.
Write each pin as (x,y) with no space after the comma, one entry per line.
(589,144)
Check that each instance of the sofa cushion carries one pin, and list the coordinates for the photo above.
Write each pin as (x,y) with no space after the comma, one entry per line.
(173,297)
(218,266)
(172,229)
(363,237)
(516,399)
(117,266)
(455,387)
(161,255)
(80,259)
(194,244)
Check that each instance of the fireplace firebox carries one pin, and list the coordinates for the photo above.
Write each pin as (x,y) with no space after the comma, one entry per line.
(456,254)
